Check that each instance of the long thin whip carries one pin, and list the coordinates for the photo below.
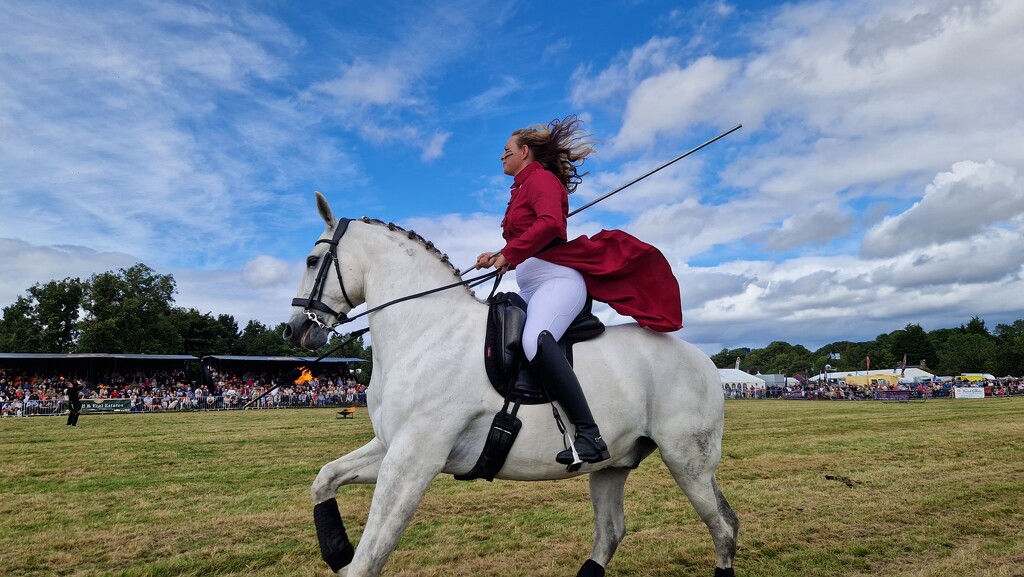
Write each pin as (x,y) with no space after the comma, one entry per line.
(673,161)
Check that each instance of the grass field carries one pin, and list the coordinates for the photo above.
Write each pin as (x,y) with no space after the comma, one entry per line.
(821,488)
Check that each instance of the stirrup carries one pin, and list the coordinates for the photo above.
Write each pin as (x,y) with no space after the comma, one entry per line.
(572,458)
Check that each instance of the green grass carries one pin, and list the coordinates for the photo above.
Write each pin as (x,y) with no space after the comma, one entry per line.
(937,491)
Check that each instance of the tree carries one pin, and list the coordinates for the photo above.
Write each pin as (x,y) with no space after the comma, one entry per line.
(201,334)
(976,326)
(129,312)
(19,331)
(779,357)
(726,358)
(1008,357)
(913,342)
(966,353)
(57,309)
(257,340)
(229,332)
(44,321)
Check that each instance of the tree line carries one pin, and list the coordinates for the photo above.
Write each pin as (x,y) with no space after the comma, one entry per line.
(969,348)
(132,311)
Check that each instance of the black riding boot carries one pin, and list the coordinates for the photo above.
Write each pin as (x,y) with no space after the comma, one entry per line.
(564,387)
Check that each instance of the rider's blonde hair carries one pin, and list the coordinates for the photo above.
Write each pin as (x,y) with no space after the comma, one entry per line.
(561,147)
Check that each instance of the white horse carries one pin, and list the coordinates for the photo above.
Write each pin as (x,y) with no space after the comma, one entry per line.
(646,389)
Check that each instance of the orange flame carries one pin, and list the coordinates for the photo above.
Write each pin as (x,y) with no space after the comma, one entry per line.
(305,377)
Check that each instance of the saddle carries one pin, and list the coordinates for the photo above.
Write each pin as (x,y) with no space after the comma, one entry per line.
(504,360)
(512,376)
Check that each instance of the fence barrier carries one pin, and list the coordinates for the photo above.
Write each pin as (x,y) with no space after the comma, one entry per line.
(163,404)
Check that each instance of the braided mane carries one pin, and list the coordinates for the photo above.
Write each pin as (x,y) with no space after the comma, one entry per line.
(413,235)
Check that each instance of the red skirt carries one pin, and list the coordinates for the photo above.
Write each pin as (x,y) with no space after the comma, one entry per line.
(633,277)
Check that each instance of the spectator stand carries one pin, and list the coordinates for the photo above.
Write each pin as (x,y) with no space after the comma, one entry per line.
(34,383)
(239,379)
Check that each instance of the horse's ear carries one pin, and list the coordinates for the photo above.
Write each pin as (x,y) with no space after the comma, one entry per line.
(325,210)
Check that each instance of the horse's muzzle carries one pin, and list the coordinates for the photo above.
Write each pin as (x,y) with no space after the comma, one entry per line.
(302,332)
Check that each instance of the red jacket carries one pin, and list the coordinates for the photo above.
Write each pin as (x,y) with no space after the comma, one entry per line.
(619,269)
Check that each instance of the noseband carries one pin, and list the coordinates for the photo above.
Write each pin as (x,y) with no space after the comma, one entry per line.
(314,302)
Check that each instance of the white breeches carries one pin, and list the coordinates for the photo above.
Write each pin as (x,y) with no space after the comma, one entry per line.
(555,294)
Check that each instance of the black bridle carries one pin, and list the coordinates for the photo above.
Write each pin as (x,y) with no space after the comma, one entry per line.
(313,303)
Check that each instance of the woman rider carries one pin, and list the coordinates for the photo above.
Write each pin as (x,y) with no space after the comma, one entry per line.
(554,276)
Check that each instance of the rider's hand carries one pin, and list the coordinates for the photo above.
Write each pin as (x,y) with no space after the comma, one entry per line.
(484,260)
(501,263)
(495,259)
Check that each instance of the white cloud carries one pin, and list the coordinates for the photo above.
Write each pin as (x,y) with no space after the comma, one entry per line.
(958,204)
(24,265)
(362,84)
(671,101)
(626,71)
(265,271)
(434,148)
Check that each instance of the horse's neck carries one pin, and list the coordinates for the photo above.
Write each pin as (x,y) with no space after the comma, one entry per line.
(402,267)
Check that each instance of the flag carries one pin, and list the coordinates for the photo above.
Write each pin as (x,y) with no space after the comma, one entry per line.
(903,367)
(868,359)
(737,363)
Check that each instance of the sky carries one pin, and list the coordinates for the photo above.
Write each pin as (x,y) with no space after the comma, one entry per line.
(876,182)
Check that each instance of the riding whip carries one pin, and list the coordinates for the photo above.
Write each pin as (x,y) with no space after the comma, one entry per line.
(673,161)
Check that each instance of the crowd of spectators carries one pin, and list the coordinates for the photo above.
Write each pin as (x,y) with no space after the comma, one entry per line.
(42,392)
(836,389)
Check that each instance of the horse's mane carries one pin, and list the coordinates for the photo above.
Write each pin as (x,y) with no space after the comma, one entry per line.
(413,235)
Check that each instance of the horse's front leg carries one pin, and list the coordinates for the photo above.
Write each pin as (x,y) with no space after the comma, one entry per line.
(408,468)
(359,466)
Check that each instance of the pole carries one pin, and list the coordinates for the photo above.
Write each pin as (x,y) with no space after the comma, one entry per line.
(673,161)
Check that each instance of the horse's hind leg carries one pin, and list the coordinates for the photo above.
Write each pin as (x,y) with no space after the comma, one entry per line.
(607,487)
(359,466)
(694,472)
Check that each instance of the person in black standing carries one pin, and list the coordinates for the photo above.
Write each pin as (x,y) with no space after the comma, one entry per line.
(74,403)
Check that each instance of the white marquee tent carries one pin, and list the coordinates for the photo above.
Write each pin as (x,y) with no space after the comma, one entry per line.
(735,379)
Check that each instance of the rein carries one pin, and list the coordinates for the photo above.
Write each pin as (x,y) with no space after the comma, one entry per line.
(313,303)
(470,283)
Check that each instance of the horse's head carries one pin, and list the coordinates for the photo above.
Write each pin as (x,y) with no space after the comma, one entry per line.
(331,285)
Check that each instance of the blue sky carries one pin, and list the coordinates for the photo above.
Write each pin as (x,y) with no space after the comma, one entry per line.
(876,182)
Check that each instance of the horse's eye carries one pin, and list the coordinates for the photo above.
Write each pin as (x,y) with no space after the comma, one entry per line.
(312,260)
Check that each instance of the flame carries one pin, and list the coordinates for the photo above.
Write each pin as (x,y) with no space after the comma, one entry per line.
(305,377)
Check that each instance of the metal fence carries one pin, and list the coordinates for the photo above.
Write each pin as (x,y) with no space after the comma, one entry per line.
(165,404)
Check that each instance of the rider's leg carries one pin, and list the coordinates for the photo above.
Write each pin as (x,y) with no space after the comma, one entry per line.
(563,385)
(556,294)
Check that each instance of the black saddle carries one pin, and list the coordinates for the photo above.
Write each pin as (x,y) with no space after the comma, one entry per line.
(512,377)
(507,367)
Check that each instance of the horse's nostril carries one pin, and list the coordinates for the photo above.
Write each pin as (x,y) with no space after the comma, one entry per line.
(287,333)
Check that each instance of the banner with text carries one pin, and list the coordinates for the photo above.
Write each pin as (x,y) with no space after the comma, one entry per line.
(969,392)
(105,406)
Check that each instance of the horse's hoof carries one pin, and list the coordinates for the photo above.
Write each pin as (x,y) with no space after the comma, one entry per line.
(591,569)
(719,572)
